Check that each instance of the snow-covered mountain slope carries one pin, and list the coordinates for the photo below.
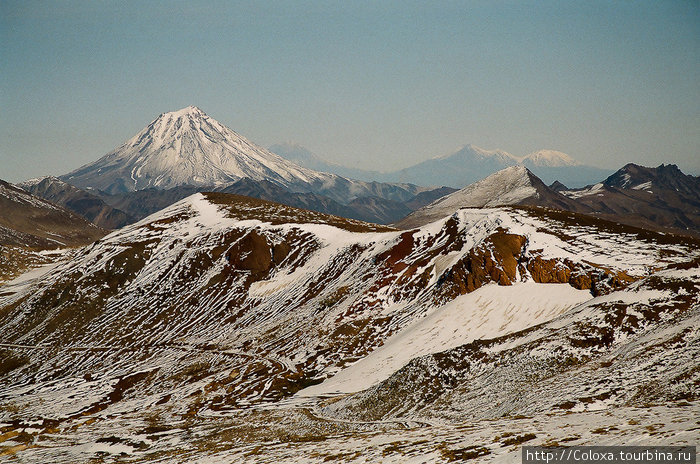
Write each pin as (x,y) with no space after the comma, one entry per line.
(631,347)
(187,147)
(237,272)
(222,304)
(488,312)
(511,186)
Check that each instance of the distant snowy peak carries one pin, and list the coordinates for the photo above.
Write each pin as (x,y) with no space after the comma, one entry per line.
(539,158)
(187,147)
(549,158)
(508,186)
(514,185)
(472,151)
(505,187)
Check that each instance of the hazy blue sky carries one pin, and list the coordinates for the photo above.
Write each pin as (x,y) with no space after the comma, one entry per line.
(379,85)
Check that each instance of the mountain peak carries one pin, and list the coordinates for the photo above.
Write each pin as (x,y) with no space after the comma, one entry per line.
(558,186)
(512,186)
(665,176)
(185,147)
(35,181)
(471,149)
(518,169)
(188,110)
(549,158)
(509,186)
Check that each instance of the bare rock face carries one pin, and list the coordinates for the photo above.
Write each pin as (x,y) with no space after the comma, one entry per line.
(503,258)
(495,261)
(251,253)
(506,251)
(597,279)
(546,271)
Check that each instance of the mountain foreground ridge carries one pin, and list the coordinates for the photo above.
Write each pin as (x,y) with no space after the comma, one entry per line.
(225,322)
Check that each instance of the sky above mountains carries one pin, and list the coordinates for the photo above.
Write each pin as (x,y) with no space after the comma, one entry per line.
(377,85)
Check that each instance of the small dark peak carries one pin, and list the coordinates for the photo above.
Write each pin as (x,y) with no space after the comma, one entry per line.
(629,175)
(630,166)
(665,177)
(558,186)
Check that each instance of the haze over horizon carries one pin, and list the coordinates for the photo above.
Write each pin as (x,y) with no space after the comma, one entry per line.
(377,86)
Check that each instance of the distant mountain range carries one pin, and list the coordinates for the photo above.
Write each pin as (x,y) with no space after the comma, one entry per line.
(34,231)
(84,202)
(662,198)
(459,169)
(187,147)
(300,155)
(112,211)
(187,151)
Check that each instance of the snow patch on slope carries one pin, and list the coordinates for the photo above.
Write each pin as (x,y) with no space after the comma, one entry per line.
(488,312)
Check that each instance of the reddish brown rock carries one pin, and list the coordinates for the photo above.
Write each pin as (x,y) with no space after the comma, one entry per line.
(251,253)
(546,271)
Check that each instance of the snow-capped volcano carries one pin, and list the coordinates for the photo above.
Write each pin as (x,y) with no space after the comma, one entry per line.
(471,163)
(548,158)
(472,152)
(187,147)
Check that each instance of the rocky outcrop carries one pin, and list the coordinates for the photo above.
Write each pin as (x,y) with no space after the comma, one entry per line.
(504,258)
